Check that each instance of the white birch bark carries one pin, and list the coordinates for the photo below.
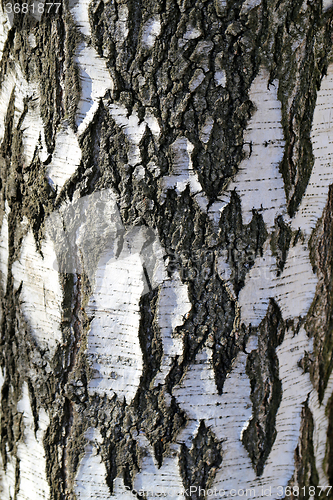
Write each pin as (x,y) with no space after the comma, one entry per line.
(115,266)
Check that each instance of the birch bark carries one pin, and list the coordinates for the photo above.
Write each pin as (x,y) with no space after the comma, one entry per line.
(166,244)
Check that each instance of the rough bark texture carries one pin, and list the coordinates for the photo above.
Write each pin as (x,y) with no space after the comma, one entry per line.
(166,248)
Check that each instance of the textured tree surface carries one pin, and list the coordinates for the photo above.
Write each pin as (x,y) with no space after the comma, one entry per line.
(166,249)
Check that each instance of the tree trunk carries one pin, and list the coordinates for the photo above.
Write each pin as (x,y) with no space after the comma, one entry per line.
(166,249)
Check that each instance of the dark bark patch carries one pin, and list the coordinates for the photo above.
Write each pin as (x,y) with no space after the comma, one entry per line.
(150,339)
(262,368)
(305,474)
(296,48)
(240,244)
(211,319)
(319,322)
(48,70)
(329,450)
(280,242)
(199,463)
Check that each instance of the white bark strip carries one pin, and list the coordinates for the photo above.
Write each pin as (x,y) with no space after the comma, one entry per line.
(258,181)
(315,197)
(158,480)
(41,294)
(113,342)
(66,158)
(30,452)
(295,287)
(90,482)
(152,123)
(320,422)
(4,248)
(95,81)
(80,13)
(236,470)
(7,479)
(32,125)
(96,230)
(95,78)
(226,413)
(293,290)
(295,387)
(5,94)
(4,28)
(113,258)
(121,492)
(32,482)
(183,174)
(173,305)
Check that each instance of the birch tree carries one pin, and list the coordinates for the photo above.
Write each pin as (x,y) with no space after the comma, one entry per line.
(166,249)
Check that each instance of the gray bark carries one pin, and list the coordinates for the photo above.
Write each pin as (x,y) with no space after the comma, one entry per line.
(133,136)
